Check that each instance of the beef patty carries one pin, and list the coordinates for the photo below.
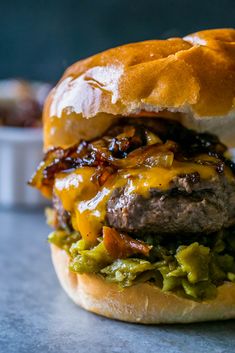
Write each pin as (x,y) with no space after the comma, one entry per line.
(199,206)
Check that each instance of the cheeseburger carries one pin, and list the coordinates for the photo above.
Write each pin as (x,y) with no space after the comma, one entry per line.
(141,181)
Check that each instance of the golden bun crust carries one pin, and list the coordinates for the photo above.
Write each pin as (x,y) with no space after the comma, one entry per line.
(142,303)
(193,76)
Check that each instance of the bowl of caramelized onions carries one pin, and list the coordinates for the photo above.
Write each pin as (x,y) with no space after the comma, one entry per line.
(21,105)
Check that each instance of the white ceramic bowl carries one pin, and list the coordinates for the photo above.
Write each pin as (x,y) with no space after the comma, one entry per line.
(20,153)
(233,153)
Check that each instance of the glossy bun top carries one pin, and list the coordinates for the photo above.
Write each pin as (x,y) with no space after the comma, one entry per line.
(190,79)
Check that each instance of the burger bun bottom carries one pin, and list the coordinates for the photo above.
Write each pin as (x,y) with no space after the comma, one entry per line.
(142,303)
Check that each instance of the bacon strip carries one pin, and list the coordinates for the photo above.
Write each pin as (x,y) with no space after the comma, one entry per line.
(120,245)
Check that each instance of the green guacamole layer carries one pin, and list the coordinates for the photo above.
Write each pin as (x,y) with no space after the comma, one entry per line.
(190,266)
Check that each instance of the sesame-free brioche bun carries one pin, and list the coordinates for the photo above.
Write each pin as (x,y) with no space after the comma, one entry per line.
(190,79)
(141,303)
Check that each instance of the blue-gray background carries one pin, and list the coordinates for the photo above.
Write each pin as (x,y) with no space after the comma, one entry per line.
(40,38)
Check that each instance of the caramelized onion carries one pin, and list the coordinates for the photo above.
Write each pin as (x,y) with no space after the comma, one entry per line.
(132,145)
(152,138)
(153,155)
(131,138)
